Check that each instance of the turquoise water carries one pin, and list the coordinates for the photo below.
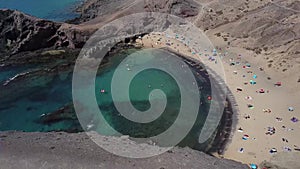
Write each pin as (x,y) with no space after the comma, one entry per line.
(24,101)
(56,10)
(139,92)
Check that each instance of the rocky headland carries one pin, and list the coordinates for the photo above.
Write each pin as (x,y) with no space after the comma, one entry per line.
(244,24)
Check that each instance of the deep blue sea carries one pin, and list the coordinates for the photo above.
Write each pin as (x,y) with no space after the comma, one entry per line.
(55,10)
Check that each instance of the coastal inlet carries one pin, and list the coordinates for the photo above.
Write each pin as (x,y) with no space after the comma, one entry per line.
(38,97)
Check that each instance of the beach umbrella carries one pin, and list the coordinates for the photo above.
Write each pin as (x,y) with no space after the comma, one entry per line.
(254,76)
(209,98)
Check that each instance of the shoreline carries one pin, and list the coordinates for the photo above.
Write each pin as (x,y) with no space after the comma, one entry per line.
(229,119)
(226,127)
(220,142)
(227,124)
(279,99)
(235,141)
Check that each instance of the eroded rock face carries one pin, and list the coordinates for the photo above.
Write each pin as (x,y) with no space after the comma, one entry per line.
(20,32)
(182,8)
(271,29)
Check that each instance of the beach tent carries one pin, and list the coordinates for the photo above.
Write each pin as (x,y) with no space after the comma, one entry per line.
(294,119)
(239,89)
(248,65)
(250,106)
(215,52)
(245,137)
(240,130)
(273,150)
(248,98)
(278,84)
(261,91)
(291,108)
(253,166)
(252,82)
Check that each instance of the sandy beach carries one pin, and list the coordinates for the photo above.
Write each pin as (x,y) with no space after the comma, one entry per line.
(251,142)
(257,43)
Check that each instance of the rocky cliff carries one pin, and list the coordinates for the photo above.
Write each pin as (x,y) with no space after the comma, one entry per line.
(20,32)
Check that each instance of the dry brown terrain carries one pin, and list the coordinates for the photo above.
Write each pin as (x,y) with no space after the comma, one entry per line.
(265,32)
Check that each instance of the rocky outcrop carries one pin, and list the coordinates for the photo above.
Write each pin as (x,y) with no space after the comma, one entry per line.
(20,32)
(102,8)
(268,28)
(182,8)
(64,150)
(95,9)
